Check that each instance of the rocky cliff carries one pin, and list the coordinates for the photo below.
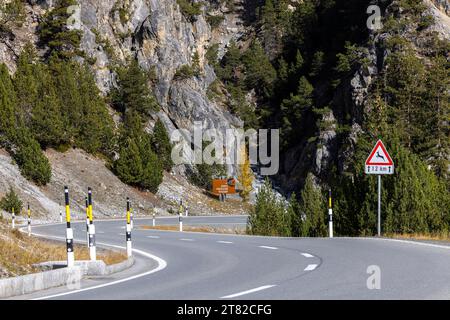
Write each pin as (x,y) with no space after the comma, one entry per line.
(160,37)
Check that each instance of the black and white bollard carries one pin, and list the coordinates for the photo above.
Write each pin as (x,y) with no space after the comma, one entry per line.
(69,232)
(128,230)
(154,222)
(131,217)
(91,229)
(29,220)
(330,215)
(87,221)
(13,221)
(60,213)
(180,219)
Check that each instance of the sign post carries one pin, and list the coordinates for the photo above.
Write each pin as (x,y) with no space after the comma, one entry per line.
(379,162)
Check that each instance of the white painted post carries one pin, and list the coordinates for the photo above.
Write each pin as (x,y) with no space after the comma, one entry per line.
(154,222)
(13,222)
(29,221)
(128,230)
(87,221)
(180,219)
(91,229)
(60,214)
(69,232)
(330,215)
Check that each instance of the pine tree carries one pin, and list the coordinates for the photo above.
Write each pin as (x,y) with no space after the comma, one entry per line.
(435,145)
(294,108)
(46,120)
(161,145)
(7,105)
(259,72)
(269,216)
(132,91)
(313,205)
(65,76)
(96,128)
(153,173)
(11,200)
(54,32)
(129,167)
(405,85)
(296,221)
(28,155)
(26,81)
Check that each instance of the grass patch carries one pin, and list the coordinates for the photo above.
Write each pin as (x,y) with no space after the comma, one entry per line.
(206,229)
(443,236)
(18,253)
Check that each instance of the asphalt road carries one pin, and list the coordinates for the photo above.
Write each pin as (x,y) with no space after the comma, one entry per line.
(218,266)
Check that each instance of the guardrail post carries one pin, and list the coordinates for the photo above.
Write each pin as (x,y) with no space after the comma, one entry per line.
(330,215)
(128,230)
(29,220)
(69,232)
(87,221)
(13,221)
(92,249)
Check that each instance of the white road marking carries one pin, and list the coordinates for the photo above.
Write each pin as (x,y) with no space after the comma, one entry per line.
(271,248)
(100,231)
(162,264)
(307,255)
(247,292)
(310,267)
(227,242)
(121,234)
(153,237)
(186,239)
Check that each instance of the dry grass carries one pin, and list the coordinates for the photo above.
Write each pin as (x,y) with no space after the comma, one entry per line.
(18,253)
(444,236)
(193,229)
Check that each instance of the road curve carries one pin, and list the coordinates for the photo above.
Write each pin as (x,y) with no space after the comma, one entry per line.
(217,266)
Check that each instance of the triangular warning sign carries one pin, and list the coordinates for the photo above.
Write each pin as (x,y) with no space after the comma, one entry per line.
(379,156)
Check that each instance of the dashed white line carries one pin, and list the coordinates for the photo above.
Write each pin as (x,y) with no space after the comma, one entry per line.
(153,237)
(186,239)
(121,234)
(307,255)
(271,248)
(310,267)
(227,242)
(247,292)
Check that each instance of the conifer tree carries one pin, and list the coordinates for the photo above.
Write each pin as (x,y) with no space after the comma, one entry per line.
(26,81)
(132,91)
(11,200)
(54,32)
(269,216)
(296,218)
(7,105)
(129,167)
(28,155)
(313,205)
(161,145)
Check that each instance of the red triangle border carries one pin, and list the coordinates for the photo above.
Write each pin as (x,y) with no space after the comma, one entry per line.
(379,144)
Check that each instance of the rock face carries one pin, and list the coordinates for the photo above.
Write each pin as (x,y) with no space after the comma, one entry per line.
(160,37)
(319,156)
